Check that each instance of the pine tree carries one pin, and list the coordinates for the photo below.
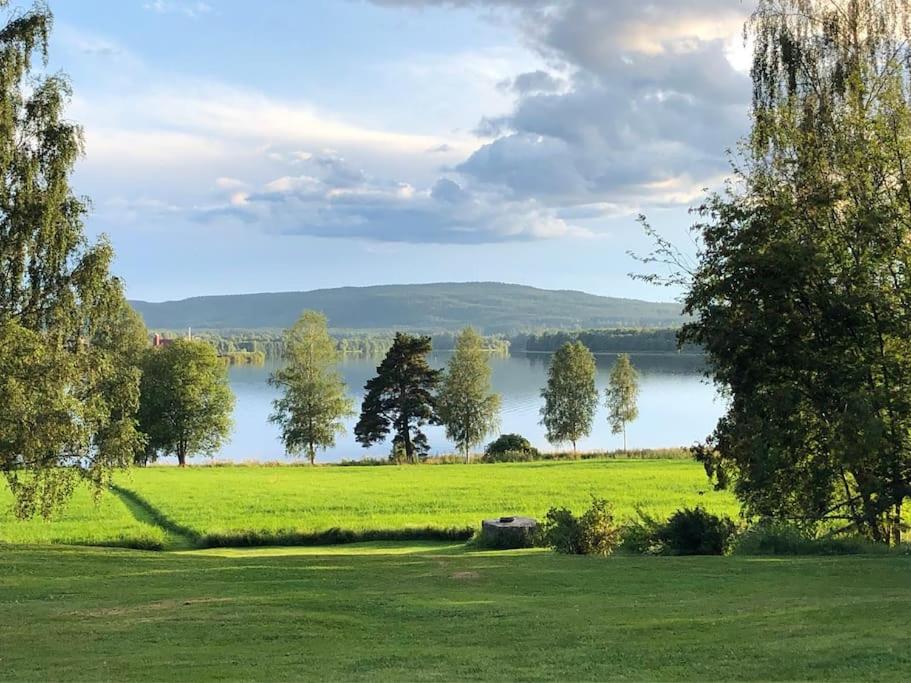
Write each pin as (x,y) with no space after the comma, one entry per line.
(314,400)
(570,397)
(467,406)
(401,399)
(622,393)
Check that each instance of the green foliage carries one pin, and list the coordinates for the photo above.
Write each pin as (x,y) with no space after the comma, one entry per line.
(401,399)
(640,534)
(800,293)
(594,533)
(68,390)
(694,531)
(240,346)
(314,398)
(243,357)
(186,403)
(621,340)
(570,397)
(562,531)
(622,395)
(770,537)
(466,405)
(510,448)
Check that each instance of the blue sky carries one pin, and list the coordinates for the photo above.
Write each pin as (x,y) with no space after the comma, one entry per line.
(241,147)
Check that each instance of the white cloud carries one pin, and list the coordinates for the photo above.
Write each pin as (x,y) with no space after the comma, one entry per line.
(612,107)
(187,9)
(636,106)
(339,200)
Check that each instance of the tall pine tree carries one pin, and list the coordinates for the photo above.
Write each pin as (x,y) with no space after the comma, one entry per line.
(401,399)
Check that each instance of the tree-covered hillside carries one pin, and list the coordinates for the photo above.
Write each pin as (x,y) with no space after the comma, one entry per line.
(491,307)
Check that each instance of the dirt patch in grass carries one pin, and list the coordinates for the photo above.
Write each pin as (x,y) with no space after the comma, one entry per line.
(464,576)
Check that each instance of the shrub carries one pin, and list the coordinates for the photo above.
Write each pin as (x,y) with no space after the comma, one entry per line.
(510,448)
(594,533)
(563,531)
(769,537)
(600,533)
(693,531)
(640,535)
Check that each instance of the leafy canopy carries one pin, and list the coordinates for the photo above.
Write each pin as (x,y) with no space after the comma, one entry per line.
(570,397)
(622,395)
(314,400)
(801,291)
(186,402)
(468,408)
(68,388)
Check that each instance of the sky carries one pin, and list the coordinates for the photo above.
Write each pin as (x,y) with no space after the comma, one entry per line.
(273,146)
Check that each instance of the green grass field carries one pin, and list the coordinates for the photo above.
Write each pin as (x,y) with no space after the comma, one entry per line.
(424,612)
(110,522)
(414,610)
(267,505)
(272,503)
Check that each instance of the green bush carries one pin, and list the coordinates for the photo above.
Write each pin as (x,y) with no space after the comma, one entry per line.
(693,531)
(770,537)
(563,531)
(510,448)
(640,535)
(594,533)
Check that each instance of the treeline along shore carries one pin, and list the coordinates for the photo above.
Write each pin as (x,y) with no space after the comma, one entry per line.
(254,347)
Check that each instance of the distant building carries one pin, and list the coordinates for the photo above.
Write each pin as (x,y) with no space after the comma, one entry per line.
(159,342)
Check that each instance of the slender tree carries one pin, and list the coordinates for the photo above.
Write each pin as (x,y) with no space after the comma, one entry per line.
(468,408)
(314,400)
(800,292)
(570,397)
(401,399)
(186,402)
(68,393)
(622,394)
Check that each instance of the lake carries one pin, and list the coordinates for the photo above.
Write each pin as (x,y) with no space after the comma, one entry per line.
(676,407)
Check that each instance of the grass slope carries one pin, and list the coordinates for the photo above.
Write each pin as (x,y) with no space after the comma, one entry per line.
(110,522)
(445,614)
(492,307)
(263,505)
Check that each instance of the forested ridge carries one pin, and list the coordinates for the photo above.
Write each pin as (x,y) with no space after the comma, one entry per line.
(490,307)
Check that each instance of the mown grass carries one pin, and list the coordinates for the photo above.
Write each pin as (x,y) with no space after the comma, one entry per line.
(440,613)
(294,505)
(82,522)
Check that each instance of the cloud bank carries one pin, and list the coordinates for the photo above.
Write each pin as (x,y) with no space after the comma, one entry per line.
(628,106)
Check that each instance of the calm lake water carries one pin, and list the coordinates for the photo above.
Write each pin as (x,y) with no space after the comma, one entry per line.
(676,407)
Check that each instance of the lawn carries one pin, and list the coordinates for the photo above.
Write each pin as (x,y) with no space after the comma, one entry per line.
(236,505)
(425,612)
(83,522)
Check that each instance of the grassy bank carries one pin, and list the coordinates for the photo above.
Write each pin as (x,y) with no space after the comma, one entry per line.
(427,612)
(110,522)
(249,505)
(298,505)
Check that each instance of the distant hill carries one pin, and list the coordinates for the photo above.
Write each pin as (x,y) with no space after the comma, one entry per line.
(491,307)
